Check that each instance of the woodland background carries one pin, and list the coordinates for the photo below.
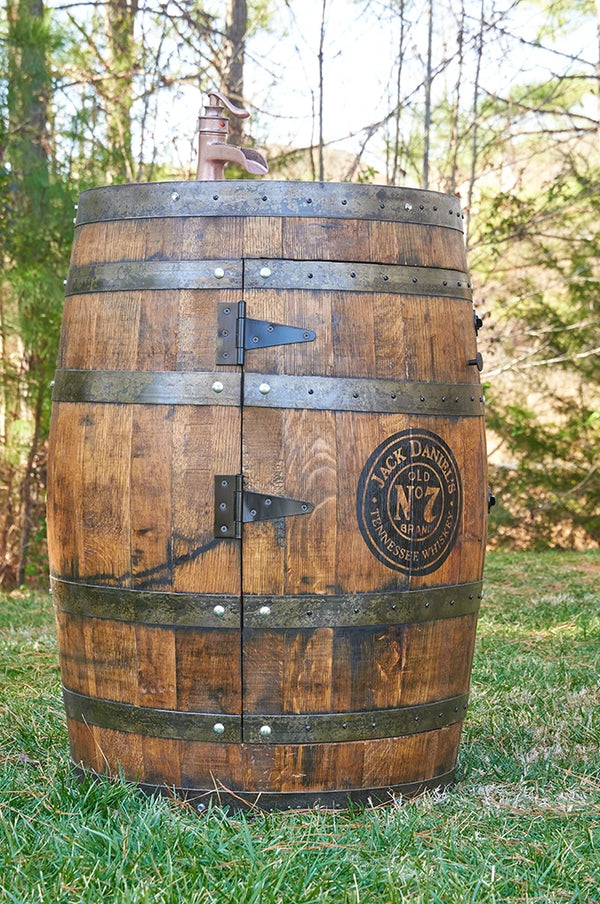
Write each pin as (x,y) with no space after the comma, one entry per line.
(495,100)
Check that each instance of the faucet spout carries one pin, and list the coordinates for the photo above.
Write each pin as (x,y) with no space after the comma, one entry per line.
(213,151)
(215,155)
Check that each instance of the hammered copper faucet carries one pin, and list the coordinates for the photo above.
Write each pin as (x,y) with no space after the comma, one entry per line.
(213,150)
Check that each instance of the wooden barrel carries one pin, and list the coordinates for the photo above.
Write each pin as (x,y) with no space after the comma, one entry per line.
(267,494)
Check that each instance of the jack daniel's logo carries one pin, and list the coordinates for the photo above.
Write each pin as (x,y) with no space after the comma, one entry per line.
(409,501)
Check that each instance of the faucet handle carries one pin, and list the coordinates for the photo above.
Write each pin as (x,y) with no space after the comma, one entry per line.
(237,111)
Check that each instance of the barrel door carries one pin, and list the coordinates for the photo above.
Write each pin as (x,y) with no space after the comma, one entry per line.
(267,502)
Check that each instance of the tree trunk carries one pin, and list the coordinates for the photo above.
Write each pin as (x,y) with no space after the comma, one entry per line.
(27,489)
(236,26)
(428,98)
(27,102)
(474,145)
(454,136)
(598,70)
(398,112)
(321,91)
(22,372)
(120,22)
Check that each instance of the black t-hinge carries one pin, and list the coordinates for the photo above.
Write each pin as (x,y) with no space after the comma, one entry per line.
(235,506)
(236,333)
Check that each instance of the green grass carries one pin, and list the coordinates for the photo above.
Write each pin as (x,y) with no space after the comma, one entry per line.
(521,825)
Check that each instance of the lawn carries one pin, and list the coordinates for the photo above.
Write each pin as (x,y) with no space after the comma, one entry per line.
(522,823)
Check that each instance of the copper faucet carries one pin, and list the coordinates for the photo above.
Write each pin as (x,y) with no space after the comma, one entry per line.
(213,151)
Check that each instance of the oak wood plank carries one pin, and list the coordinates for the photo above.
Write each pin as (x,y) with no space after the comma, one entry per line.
(151,497)
(196,325)
(263,237)
(311,474)
(83,746)
(156,667)
(324,238)
(208,667)
(415,245)
(74,663)
(106,488)
(115,660)
(264,543)
(161,762)
(65,495)
(206,441)
(211,238)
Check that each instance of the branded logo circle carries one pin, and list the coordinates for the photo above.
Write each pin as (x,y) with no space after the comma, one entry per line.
(409,501)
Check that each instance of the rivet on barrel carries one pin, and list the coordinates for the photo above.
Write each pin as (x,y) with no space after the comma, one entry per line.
(219,610)
(265,272)
(218,728)
(264,610)
(219,272)
(264,389)
(265,730)
(218,386)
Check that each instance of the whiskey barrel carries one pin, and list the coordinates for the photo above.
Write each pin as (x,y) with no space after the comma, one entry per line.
(267,491)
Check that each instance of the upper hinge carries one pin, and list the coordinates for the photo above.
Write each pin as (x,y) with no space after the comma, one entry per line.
(236,333)
(235,506)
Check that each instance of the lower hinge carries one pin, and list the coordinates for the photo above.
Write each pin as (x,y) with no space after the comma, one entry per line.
(235,506)
(236,333)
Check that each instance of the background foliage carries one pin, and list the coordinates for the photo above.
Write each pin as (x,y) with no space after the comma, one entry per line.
(496,101)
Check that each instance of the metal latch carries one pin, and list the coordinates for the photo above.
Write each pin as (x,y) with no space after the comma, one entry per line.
(235,506)
(236,333)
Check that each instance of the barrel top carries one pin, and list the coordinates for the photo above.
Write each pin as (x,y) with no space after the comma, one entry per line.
(245,198)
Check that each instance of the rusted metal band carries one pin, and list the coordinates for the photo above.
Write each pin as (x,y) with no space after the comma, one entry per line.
(245,198)
(359,609)
(356,726)
(267,391)
(137,387)
(265,729)
(155,723)
(314,276)
(267,612)
(267,801)
(360,394)
(154,275)
(202,610)
(339,276)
